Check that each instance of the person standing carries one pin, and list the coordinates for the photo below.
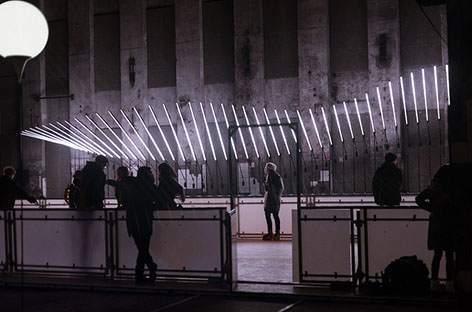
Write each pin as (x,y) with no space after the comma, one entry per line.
(168,188)
(9,191)
(92,184)
(387,182)
(273,191)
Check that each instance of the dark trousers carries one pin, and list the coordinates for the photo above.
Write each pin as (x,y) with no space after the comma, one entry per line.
(144,257)
(269,221)
(450,267)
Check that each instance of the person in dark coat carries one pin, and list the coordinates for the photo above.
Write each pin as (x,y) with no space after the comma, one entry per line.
(441,230)
(120,184)
(138,197)
(274,188)
(387,182)
(92,184)
(9,191)
(168,188)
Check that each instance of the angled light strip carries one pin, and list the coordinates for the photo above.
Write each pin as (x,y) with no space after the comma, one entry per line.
(393,104)
(107,137)
(92,142)
(138,135)
(79,138)
(370,112)
(198,132)
(126,135)
(337,122)
(288,120)
(326,125)
(35,135)
(220,137)
(117,137)
(447,86)
(240,132)
(413,89)
(348,119)
(423,78)
(149,134)
(174,133)
(316,127)
(379,99)
(251,133)
(271,132)
(282,131)
(261,132)
(304,130)
(60,137)
(208,131)
(227,127)
(359,117)
(402,88)
(71,139)
(186,132)
(41,132)
(113,153)
(436,90)
(162,133)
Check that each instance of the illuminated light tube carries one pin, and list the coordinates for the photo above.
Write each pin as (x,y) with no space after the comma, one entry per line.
(117,137)
(138,135)
(198,132)
(174,133)
(359,116)
(423,78)
(240,132)
(282,131)
(220,137)
(79,138)
(186,132)
(379,99)
(52,138)
(208,131)
(227,127)
(35,135)
(288,120)
(271,131)
(316,127)
(162,133)
(447,86)
(326,125)
(149,134)
(348,119)
(402,88)
(73,140)
(126,135)
(106,136)
(436,90)
(337,122)
(92,142)
(370,112)
(413,89)
(393,103)
(113,153)
(261,132)
(304,130)
(250,132)
(59,136)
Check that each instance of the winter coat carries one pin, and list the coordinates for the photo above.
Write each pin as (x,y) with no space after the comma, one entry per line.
(9,192)
(274,188)
(167,190)
(386,185)
(92,187)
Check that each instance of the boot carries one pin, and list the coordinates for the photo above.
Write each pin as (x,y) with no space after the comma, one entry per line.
(267,236)
(153,272)
(276,237)
(435,286)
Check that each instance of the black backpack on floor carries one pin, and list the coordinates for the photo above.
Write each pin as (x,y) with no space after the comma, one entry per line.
(406,276)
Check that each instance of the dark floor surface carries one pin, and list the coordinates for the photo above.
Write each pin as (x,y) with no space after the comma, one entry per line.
(35,300)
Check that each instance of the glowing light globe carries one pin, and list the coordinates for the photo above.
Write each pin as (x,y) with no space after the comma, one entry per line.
(24,30)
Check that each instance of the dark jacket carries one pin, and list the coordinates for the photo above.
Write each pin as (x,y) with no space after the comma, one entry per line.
(92,187)
(274,188)
(386,184)
(167,190)
(9,192)
(441,220)
(139,199)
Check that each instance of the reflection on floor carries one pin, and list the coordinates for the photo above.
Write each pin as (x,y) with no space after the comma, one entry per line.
(264,261)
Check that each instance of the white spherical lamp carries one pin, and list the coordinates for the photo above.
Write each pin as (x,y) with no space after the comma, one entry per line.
(24,30)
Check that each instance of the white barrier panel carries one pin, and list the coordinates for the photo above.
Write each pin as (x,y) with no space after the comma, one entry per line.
(3,249)
(325,245)
(188,242)
(61,240)
(392,239)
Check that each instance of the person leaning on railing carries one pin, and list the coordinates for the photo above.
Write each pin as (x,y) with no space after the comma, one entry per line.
(387,182)
(9,191)
(168,188)
(92,184)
